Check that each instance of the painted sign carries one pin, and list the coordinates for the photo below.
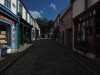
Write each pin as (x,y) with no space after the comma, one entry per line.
(7,19)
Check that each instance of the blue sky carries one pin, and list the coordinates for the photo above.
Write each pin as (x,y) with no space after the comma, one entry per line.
(46,8)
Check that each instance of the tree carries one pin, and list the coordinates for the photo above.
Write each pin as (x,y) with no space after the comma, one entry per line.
(45,25)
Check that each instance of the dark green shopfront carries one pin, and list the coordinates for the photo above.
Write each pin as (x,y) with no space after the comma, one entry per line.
(24,32)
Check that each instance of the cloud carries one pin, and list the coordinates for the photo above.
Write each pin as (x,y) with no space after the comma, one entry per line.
(53,6)
(41,11)
(36,14)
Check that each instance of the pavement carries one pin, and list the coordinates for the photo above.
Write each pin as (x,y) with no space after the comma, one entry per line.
(92,65)
(11,57)
(48,57)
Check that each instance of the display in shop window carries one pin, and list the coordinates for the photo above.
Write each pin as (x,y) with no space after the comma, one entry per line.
(4,36)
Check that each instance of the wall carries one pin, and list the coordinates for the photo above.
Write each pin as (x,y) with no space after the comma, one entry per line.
(28,18)
(2,2)
(13,5)
(24,14)
(78,7)
(66,17)
(37,27)
(94,1)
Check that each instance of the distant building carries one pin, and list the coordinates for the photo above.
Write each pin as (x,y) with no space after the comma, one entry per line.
(78,27)
(56,28)
(37,31)
(65,28)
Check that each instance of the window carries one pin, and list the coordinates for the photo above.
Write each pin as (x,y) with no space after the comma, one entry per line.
(83,33)
(32,21)
(29,19)
(88,3)
(20,8)
(4,35)
(8,3)
(26,16)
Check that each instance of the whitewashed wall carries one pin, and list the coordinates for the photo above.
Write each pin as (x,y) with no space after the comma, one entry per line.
(14,6)
(24,13)
(37,27)
(28,17)
(13,3)
(2,2)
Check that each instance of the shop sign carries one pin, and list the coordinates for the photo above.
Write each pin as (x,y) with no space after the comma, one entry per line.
(7,19)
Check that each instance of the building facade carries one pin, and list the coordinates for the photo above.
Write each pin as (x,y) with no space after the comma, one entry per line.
(8,24)
(56,28)
(37,31)
(86,20)
(65,28)
(33,31)
(25,27)
(17,26)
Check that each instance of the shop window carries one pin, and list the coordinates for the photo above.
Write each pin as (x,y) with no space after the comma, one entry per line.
(84,31)
(88,3)
(8,3)
(4,35)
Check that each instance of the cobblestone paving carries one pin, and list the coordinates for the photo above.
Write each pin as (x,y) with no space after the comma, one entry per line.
(46,58)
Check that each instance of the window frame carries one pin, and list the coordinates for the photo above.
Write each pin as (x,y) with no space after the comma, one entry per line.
(7,3)
(20,8)
(88,3)
(26,15)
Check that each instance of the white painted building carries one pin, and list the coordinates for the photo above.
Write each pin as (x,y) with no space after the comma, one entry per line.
(33,31)
(25,12)
(27,25)
(12,6)
(10,13)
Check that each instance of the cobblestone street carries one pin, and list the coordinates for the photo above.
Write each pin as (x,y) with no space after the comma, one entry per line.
(47,57)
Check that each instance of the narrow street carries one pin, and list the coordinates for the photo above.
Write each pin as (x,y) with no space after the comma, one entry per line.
(47,57)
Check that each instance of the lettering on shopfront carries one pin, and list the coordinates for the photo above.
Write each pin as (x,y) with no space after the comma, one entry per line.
(7,19)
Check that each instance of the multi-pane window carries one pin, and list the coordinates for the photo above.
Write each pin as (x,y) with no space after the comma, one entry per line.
(20,8)
(88,3)
(8,3)
(84,33)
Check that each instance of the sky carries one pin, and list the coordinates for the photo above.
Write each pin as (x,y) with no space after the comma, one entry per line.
(46,8)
